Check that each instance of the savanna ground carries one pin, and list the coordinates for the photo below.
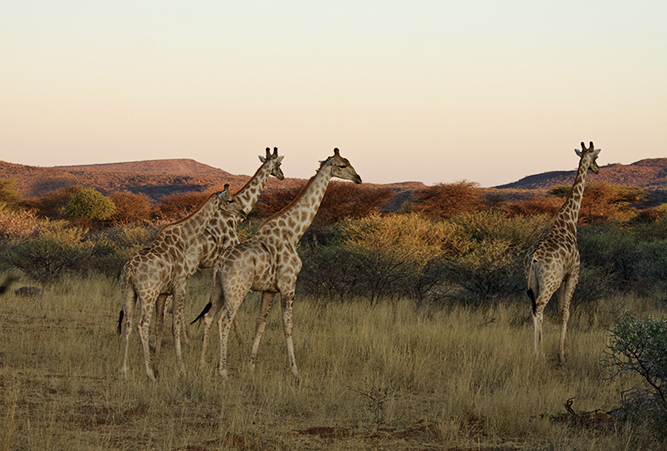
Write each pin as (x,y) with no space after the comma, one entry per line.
(386,376)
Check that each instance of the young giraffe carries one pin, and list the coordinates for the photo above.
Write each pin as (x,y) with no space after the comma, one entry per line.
(552,263)
(221,230)
(268,262)
(159,270)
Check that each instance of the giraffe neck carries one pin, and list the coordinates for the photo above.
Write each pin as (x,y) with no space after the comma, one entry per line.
(219,225)
(248,195)
(299,214)
(194,225)
(568,215)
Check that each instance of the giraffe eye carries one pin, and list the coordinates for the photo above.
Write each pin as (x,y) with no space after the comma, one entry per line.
(342,166)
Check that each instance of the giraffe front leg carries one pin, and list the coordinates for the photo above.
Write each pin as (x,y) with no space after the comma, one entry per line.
(177,314)
(143,329)
(267,301)
(159,326)
(129,313)
(287,300)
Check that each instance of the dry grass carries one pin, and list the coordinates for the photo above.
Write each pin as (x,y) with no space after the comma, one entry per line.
(387,376)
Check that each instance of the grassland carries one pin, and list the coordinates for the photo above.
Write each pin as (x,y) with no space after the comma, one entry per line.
(388,376)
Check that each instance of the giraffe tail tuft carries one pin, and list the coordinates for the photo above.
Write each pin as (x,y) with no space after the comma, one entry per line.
(531,295)
(203,313)
(120,321)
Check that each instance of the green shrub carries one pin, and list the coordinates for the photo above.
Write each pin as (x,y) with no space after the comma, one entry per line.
(113,247)
(89,204)
(640,348)
(496,245)
(378,257)
(16,225)
(631,259)
(58,249)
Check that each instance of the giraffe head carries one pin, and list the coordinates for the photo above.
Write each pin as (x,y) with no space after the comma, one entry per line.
(275,161)
(589,157)
(342,168)
(227,203)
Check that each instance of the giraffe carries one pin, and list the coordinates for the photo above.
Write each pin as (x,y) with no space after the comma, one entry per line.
(268,262)
(159,270)
(221,230)
(552,263)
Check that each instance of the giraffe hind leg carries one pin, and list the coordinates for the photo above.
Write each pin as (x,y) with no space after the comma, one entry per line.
(267,301)
(564,300)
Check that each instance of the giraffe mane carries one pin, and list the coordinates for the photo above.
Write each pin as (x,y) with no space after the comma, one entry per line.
(182,220)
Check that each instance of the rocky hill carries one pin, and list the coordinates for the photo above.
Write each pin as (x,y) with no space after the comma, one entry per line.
(155,178)
(158,178)
(649,173)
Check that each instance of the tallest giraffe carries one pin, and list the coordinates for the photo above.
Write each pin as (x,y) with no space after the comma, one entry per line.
(552,264)
(269,262)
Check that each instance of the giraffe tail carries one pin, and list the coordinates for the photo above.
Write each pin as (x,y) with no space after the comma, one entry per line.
(530,292)
(120,321)
(202,314)
(128,296)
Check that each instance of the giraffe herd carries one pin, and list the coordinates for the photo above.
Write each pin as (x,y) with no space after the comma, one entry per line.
(268,262)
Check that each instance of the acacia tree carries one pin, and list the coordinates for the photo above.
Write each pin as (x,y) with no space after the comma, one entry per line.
(445,200)
(130,207)
(603,201)
(9,196)
(178,206)
(536,205)
(342,200)
(89,204)
(53,204)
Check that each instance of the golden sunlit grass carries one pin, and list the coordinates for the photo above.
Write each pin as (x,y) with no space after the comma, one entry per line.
(383,376)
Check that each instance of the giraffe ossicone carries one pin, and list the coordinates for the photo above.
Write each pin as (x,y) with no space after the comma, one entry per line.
(268,262)
(552,263)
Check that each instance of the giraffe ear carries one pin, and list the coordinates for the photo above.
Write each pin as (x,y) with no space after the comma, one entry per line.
(280,158)
(262,159)
(578,152)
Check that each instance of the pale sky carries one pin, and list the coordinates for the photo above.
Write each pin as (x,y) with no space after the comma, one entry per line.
(431,91)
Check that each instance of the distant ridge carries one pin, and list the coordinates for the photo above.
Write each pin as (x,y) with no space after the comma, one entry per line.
(159,178)
(648,173)
(177,166)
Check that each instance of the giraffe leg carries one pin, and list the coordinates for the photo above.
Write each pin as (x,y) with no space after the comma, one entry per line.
(159,326)
(168,300)
(143,329)
(267,301)
(564,300)
(128,307)
(216,303)
(237,331)
(286,300)
(537,315)
(177,312)
(224,326)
